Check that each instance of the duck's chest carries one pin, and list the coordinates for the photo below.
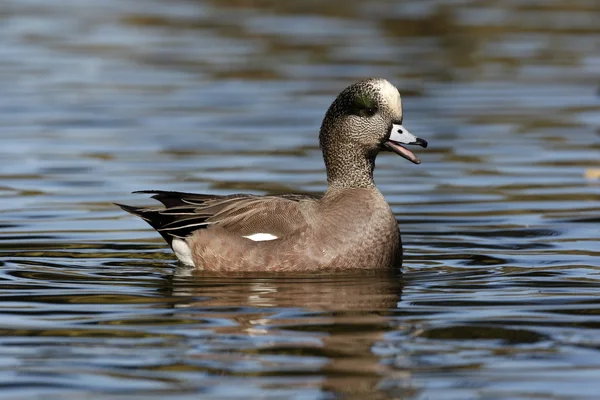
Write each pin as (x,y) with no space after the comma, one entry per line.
(378,245)
(364,232)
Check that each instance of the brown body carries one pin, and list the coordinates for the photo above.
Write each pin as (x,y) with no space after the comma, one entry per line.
(350,227)
(325,235)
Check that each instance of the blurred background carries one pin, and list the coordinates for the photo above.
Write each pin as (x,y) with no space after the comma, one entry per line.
(500,221)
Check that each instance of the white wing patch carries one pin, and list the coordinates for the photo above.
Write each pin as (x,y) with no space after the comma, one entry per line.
(261,237)
(183,251)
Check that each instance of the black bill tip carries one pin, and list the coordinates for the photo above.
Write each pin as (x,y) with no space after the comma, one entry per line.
(421,142)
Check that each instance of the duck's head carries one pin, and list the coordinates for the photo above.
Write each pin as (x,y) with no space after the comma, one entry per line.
(366,118)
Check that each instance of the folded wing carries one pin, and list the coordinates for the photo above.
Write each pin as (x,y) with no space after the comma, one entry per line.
(243,214)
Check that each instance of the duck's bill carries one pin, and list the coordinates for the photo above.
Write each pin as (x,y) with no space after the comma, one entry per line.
(400,135)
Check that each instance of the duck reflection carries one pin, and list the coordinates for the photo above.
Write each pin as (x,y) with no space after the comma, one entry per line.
(321,327)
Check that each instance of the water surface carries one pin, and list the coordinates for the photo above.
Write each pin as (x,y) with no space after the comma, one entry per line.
(499,297)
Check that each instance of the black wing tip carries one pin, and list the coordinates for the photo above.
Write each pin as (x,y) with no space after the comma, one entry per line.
(155,193)
(162,196)
(174,199)
(129,209)
(149,191)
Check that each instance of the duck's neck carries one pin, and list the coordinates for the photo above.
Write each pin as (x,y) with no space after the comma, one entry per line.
(348,168)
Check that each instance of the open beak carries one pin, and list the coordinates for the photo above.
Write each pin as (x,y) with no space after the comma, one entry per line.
(399,135)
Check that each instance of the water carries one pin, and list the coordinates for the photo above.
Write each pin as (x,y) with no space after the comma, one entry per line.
(499,299)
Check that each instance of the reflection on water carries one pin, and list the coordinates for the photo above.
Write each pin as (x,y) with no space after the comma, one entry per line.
(500,293)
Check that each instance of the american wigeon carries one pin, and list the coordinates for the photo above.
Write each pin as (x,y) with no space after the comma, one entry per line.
(350,226)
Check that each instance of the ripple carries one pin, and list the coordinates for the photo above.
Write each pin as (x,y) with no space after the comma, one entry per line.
(499,293)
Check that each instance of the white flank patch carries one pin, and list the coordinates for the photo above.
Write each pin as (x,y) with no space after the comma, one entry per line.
(391,95)
(261,237)
(183,251)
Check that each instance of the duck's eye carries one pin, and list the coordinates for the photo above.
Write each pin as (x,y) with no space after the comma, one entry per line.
(363,106)
(368,111)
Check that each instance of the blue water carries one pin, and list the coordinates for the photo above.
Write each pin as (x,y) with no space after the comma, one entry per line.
(500,293)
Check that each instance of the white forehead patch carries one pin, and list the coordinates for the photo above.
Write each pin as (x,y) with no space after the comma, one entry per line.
(390,94)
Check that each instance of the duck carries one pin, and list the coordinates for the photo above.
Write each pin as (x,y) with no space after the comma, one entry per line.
(349,227)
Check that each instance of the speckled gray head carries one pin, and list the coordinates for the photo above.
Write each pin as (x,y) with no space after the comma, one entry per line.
(366,117)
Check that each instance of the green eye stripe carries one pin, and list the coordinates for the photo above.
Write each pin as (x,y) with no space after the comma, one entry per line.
(364,105)
(365,101)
